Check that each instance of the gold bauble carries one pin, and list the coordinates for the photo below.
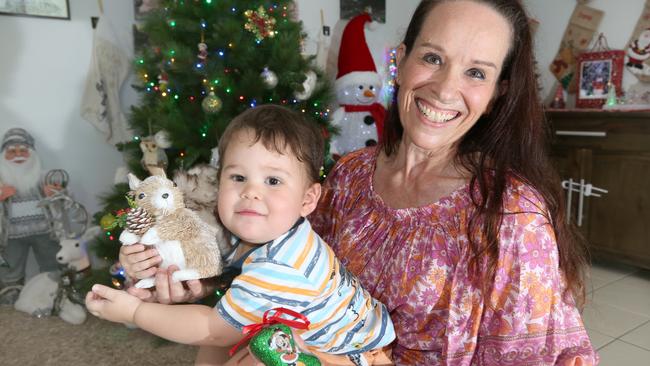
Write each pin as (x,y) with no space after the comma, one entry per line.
(211,103)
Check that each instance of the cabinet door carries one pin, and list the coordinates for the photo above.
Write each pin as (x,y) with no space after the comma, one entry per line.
(619,221)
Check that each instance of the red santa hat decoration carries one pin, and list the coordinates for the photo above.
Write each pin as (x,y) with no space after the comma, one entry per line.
(355,62)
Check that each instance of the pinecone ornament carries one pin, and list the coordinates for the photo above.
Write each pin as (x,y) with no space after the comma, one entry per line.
(138,221)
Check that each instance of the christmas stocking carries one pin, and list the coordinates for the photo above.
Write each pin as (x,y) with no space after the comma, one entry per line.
(582,26)
(638,51)
(109,67)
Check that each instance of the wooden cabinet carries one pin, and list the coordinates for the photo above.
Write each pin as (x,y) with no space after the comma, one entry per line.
(609,150)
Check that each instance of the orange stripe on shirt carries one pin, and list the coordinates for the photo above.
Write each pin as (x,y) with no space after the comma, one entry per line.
(273,287)
(305,250)
(240,311)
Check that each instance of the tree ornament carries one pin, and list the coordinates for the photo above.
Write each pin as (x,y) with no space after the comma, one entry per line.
(162,139)
(259,23)
(118,279)
(272,342)
(154,158)
(107,221)
(212,103)
(163,81)
(269,77)
(138,221)
(275,346)
(203,53)
(308,86)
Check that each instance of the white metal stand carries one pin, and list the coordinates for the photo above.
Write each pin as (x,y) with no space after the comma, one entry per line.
(584,190)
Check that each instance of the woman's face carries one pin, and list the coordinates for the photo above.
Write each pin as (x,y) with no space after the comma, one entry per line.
(450,76)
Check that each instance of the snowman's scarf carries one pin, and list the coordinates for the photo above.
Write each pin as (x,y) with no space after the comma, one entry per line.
(377,111)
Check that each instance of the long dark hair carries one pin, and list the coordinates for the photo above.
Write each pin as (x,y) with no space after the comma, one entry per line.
(510,139)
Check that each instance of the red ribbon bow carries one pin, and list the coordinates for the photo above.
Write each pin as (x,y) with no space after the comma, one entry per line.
(251,330)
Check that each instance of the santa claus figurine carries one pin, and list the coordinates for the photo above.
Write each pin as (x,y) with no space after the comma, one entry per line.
(25,225)
(360,117)
(639,50)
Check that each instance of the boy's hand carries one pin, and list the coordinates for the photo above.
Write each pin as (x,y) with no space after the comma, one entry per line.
(110,304)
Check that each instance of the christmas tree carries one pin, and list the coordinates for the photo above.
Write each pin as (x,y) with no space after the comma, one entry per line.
(200,63)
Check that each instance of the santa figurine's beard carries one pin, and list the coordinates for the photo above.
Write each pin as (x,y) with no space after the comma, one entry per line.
(24,176)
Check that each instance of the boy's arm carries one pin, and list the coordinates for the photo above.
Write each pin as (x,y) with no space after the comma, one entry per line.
(189,324)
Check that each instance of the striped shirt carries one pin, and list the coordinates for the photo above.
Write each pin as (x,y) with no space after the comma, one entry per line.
(299,271)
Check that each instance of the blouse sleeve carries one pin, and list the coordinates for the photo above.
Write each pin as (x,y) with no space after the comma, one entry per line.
(528,318)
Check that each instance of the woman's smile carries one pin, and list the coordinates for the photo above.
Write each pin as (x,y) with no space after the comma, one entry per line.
(435,115)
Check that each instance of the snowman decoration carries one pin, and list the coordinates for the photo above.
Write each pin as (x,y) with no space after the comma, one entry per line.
(638,52)
(360,117)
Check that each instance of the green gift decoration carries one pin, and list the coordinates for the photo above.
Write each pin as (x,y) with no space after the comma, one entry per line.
(271,341)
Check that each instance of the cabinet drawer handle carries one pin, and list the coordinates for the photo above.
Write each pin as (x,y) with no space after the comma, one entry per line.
(581,133)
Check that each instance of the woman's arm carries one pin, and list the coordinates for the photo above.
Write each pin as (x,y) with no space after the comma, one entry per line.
(188,324)
(529,315)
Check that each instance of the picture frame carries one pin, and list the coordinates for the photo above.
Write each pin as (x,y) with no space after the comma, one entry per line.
(53,9)
(597,72)
(376,8)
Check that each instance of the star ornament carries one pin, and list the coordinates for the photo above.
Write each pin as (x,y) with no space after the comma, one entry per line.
(259,23)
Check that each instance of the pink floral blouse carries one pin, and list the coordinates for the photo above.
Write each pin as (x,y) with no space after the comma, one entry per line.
(415,261)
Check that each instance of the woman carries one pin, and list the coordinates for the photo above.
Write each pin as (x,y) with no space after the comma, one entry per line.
(461,231)
(453,221)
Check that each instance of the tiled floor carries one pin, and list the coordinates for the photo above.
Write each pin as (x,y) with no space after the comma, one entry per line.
(617,315)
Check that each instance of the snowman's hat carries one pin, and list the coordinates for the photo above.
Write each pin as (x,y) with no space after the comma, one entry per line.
(355,63)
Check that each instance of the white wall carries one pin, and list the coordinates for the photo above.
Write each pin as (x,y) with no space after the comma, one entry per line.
(617,24)
(43,68)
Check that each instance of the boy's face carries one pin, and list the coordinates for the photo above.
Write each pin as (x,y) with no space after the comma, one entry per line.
(262,193)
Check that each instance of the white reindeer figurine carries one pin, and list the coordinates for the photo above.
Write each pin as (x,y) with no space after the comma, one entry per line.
(178,233)
(38,295)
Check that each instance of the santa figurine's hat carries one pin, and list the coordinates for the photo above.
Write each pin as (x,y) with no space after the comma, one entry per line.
(355,61)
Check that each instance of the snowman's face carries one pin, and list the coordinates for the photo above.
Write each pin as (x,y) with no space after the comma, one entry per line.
(361,93)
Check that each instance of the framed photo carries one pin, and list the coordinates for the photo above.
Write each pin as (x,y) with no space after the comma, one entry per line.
(352,8)
(55,9)
(597,73)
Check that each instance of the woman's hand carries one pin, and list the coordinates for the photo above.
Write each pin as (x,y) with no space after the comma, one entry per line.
(169,292)
(110,304)
(139,263)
